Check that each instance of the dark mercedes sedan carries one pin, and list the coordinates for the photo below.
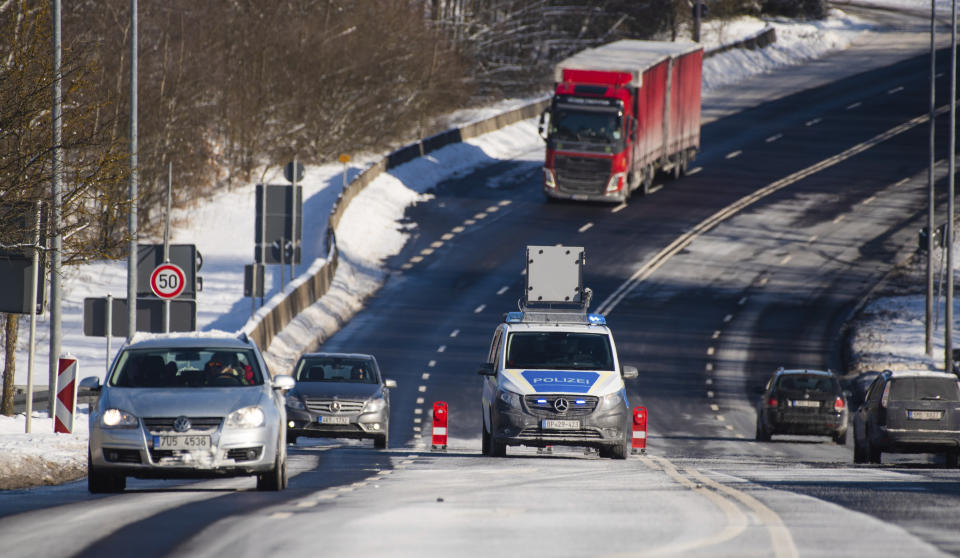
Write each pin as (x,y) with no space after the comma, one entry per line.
(339,396)
(808,402)
(909,412)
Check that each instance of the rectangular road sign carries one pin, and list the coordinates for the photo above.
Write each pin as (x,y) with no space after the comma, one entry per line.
(15,278)
(183,316)
(184,256)
(276,222)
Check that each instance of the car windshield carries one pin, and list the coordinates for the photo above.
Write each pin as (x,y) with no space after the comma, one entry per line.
(337,369)
(559,350)
(186,368)
(920,389)
(575,124)
(808,382)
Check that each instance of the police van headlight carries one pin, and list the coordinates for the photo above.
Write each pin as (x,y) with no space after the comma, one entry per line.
(509,398)
(611,400)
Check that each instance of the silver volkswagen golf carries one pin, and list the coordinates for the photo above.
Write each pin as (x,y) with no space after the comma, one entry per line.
(188,406)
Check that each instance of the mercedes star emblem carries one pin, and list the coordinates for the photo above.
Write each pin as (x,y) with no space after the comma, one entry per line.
(561,405)
(335,406)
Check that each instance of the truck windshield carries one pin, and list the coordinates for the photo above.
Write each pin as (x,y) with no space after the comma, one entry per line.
(590,126)
(559,350)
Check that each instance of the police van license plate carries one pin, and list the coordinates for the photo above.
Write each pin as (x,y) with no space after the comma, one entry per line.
(181,442)
(924,415)
(554,424)
(334,420)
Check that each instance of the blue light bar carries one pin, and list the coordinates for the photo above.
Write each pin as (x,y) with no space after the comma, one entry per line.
(514,317)
(581,401)
(597,319)
(541,401)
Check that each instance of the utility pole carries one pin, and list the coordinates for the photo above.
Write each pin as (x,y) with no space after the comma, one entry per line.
(928,329)
(952,157)
(132,225)
(56,201)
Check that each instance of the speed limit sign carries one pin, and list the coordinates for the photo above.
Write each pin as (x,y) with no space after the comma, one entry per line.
(167,281)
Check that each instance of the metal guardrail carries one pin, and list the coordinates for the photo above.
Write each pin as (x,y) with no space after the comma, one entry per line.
(269,325)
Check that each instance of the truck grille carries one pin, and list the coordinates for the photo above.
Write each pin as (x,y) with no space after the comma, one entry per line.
(197,424)
(545,405)
(325,405)
(581,175)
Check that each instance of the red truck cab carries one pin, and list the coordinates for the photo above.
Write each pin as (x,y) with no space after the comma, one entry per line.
(619,113)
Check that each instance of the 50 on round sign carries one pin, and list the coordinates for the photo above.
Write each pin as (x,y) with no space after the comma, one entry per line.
(167,281)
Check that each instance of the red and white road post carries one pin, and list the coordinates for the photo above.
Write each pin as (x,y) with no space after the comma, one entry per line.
(639,430)
(66,394)
(440,416)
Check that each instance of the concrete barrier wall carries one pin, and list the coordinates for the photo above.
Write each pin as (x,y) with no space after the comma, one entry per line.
(319,283)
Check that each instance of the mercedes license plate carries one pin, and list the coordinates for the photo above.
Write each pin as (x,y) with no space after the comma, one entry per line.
(334,420)
(924,415)
(181,442)
(805,403)
(553,424)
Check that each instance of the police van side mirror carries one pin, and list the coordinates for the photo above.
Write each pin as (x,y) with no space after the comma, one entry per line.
(630,372)
(487,369)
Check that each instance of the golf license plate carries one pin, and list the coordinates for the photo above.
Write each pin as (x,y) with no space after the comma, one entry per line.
(805,403)
(181,442)
(554,424)
(924,415)
(334,420)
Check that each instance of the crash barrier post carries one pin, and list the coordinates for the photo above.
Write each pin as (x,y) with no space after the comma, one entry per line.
(440,416)
(639,430)
(66,394)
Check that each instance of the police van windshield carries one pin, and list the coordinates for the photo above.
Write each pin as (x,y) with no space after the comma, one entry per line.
(549,350)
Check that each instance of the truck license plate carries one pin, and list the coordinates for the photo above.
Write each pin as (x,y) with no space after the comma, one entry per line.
(181,442)
(553,424)
(924,415)
(334,420)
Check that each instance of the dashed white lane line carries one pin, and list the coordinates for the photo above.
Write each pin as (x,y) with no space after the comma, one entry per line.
(619,208)
(813,122)
(418,410)
(721,418)
(457,230)
(733,154)
(694,170)
(417,429)
(416,259)
(504,203)
(786,259)
(727,318)
(710,394)
(441,348)
(852,106)
(813,238)
(869,200)
(493,209)
(455,333)
(407,266)
(902,182)
(716,334)
(281,515)
(425,376)
(714,407)
(585,228)
(426,251)
(436,244)
(710,351)
(420,402)
(895,90)
(773,138)
(480,215)
(838,218)
(729,427)
(432,363)
(763,281)
(479,309)
(708,367)
(422,389)
(742,301)
(502,290)
(655,189)
(307,503)
(417,420)
(446,236)
(709,381)
(469,222)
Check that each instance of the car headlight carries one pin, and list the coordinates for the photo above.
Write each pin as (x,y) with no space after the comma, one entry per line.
(509,398)
(293,401)
(247,417)
(115,418)
(374,405)
(612,400)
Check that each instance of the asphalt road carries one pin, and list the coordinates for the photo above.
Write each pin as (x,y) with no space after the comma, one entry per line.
(844,165)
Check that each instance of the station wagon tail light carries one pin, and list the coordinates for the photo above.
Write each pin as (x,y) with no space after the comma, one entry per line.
(838,404)
(886,395)
(772,402)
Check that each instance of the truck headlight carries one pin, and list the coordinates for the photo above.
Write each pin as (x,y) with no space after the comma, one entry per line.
(509,398)
(293,401)
(247,417)
(616,182)
(116,418)
(374,405)
(548,179)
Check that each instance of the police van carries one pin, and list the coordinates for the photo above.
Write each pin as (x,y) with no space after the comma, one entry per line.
(552,376)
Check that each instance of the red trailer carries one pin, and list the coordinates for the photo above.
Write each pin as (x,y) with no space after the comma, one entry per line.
(620,113)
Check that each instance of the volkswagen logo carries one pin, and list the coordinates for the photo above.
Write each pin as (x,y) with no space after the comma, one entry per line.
(335,406)
(561,405)
(182,424)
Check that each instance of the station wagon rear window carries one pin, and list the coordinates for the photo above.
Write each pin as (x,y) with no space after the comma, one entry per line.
(924,389)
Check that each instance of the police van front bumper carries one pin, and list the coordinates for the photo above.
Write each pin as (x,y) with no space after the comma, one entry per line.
(560,419)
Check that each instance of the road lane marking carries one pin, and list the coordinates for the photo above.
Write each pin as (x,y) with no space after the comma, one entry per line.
(742,301)
(733,154)
(504,203)
(678,244)
(714,407)
(281,515)
(902,182)
(457,230)
(710,351)
(869,200)
(709,395)
(619,208)
(455,333)
(708,367)
(709,381)
(727,318)
(420,402)
(479,309)
(422,389)
(446,236)
(716,334)
(585,228)
(694,170)
(416,259)
(407,265)
(425,376)
(432,363)
(895,90)
(418,410)
(838,218)
(436,244)
(493,209)
(813,122)
(852,106)
(773,138)
(786,259)
(441,348)
(426,251)
(469,222)
(764,280)
(502,290)
(417,420)
(813,238)
(721,418)
(655,189)
(480,215)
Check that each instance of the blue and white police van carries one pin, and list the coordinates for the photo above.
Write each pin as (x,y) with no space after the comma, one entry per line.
(552,376)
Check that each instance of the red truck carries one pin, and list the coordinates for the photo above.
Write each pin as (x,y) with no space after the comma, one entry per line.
(620,113)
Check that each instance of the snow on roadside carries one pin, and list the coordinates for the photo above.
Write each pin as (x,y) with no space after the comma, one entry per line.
(370,232)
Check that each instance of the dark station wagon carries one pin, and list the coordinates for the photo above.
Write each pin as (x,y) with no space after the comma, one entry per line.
(809,402)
